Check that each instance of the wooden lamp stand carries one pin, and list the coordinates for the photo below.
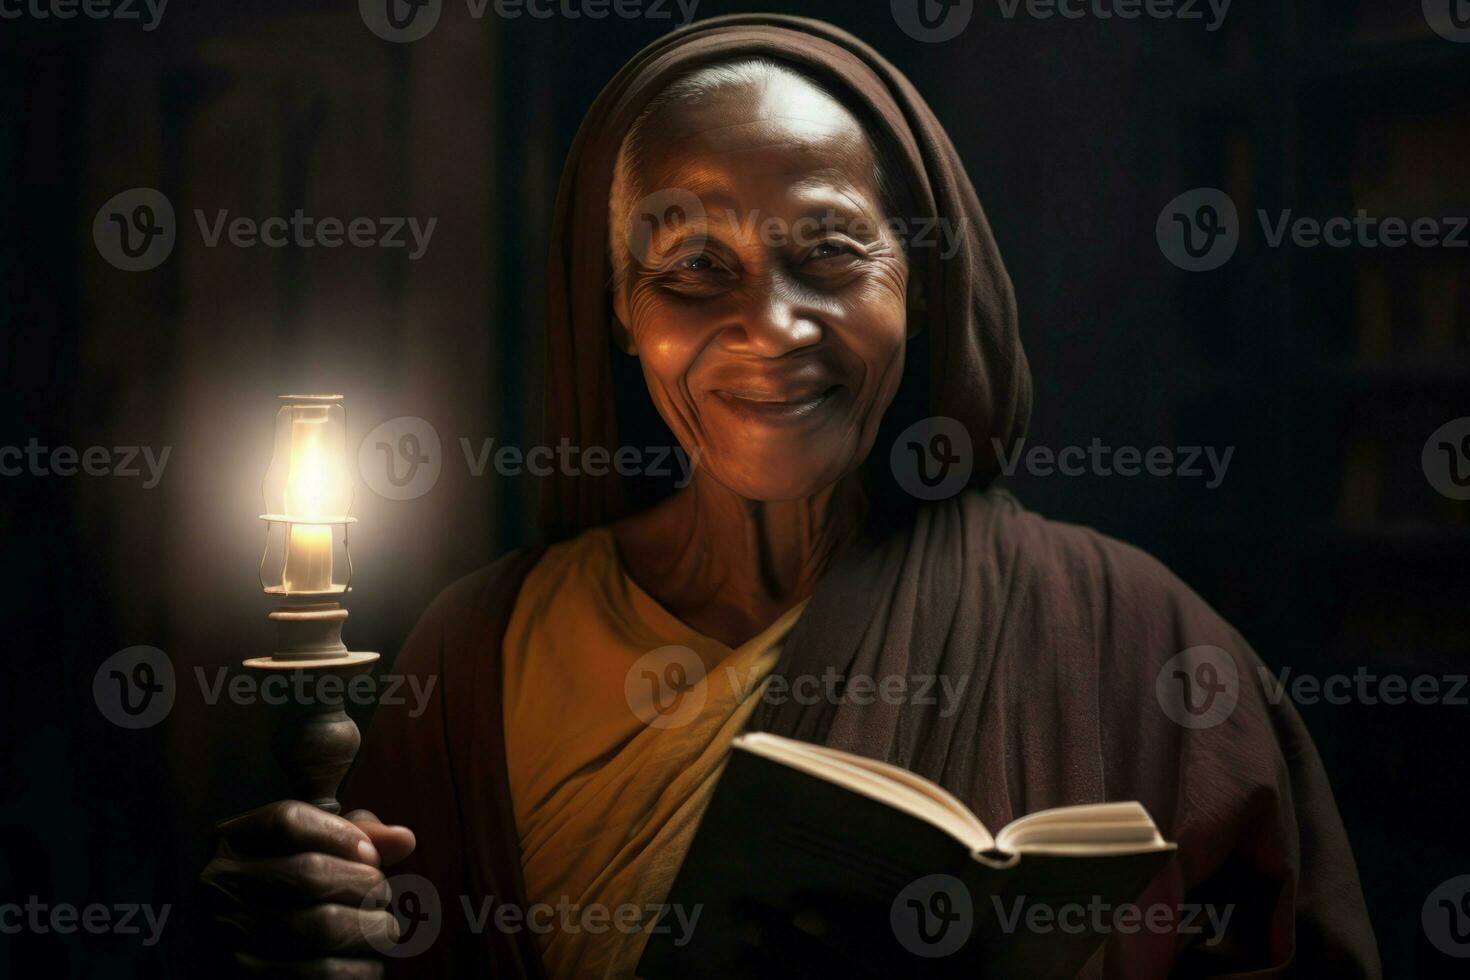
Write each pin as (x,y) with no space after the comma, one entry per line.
(314,739)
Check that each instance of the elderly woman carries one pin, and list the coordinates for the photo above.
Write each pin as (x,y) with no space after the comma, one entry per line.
(738,213)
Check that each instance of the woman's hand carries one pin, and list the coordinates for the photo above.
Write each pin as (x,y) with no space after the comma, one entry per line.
(302,891)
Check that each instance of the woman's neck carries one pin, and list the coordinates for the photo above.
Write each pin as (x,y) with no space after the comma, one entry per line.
(728,566)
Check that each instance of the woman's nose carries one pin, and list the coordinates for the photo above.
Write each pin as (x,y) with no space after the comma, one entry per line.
(773,322)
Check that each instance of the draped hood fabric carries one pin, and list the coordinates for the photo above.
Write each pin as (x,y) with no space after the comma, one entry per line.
(1041,644)
(977,371)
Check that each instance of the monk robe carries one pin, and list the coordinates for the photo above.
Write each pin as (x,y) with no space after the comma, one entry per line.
(1053,636)
(606,804)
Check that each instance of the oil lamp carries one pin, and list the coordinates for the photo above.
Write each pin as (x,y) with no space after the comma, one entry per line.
(308,493)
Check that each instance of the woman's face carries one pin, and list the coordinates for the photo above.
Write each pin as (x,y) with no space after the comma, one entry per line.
(770,330)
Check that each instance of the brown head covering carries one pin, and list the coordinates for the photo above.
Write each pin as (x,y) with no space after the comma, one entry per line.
(977,370)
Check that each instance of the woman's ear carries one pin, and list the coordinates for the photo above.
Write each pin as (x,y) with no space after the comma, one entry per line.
(622,336)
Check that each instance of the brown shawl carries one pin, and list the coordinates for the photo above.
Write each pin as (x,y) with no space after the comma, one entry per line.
(1058,633)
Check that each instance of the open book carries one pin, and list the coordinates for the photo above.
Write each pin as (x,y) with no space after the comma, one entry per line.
(811,861)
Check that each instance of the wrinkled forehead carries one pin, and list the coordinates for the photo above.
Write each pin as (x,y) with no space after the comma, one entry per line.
(780,132)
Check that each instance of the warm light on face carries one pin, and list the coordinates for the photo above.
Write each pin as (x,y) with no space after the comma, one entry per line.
(307,490)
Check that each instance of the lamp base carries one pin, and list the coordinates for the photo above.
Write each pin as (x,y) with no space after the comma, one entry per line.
(315,740)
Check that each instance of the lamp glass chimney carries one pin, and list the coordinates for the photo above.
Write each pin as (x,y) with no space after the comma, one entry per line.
(307,487)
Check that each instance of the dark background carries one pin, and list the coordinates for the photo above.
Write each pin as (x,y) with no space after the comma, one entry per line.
(1326,369)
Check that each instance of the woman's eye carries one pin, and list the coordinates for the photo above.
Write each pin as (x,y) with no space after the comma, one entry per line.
(695,263)
(828,250)
(695,275)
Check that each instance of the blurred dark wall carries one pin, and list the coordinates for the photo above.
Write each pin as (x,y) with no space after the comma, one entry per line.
(1324,544)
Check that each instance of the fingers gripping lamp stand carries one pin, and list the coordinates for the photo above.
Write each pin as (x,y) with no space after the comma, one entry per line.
(307,495)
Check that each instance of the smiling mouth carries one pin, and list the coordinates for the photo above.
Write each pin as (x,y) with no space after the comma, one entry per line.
(768,406)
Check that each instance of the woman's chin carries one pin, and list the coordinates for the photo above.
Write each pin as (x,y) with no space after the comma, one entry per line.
(778,478)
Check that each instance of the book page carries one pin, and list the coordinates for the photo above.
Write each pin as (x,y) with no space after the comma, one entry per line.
(1088,829)
(897,787)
